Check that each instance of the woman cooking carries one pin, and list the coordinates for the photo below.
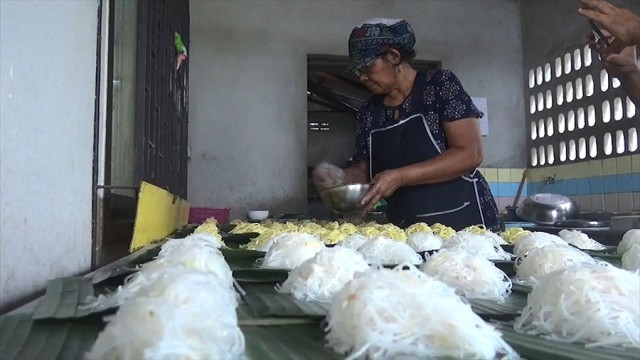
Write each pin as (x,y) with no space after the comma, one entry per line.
(417,138)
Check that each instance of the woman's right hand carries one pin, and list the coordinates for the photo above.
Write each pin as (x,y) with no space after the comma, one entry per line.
(619,65)
(326,176)
(621,23)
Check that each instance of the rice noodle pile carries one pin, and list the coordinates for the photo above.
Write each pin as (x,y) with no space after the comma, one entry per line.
(384,251)
(417,227)
(322,276)
(187,314)
(631,258)
(536,239)
(443,231)
(200,238)
(512,235)
(472,276)
(353,241)
(397,313)
(174,254)
(544,260)
(476,244)
(628,239)
(266,245)
(289,252)
(482,230)
(589,304)
(580,240)
(424,241)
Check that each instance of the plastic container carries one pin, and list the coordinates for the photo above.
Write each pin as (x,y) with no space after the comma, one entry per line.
(199,215)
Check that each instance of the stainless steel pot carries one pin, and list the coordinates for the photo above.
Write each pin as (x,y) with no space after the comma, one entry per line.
(345,199)
(547,209)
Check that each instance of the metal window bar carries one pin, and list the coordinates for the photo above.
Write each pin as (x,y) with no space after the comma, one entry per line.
(162,96)
(598,130)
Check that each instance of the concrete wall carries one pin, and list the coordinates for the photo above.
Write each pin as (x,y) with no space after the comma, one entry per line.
(248,81)
(611,184)
(47,72)
(335,146)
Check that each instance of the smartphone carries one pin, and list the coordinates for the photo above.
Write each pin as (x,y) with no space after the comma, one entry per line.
(599,36)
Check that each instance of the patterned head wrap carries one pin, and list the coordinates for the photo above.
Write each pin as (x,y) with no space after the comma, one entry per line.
(375,36)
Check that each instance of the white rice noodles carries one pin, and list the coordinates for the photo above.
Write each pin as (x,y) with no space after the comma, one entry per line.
(386,314)
(495,237)
(424,241)
(266,245)
(289,252)
(544,260)
(322,276)
(202,258)
(588,304)
(580,240)
(478,245)
(188,314)
(628,239)
(631,258)
(381,250)
(472,276)
(197,257)
(213,240)
(534,240)
(482,230)
(353,241)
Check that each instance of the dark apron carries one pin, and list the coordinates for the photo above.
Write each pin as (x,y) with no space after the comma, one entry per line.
(453,203)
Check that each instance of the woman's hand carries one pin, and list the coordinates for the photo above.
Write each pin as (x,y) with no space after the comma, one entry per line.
(621,23)
(383,185)
(621,65)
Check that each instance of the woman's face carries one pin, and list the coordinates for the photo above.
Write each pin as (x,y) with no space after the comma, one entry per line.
(379,76)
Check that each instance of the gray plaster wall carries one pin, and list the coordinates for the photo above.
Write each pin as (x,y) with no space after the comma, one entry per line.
(552,27)
(248,121)
(47,95)
(335,146)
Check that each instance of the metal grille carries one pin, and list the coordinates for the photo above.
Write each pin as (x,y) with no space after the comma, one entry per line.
(577,112)
(162,95)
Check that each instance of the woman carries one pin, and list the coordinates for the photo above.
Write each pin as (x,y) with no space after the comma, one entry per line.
(417,139)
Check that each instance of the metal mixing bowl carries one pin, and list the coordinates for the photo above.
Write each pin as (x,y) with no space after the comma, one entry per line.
(547,208)
(345,199)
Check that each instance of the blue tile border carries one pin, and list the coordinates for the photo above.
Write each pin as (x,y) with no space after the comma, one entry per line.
(609,184)
(625,183)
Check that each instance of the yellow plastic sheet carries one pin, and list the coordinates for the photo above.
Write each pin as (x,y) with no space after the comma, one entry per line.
(159,214)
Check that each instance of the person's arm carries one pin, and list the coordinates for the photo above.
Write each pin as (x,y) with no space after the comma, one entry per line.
(357,174)
(621,23)
(463,155)
(630,81)
(622,65)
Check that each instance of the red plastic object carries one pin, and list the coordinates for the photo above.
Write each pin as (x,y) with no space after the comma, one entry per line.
(199,215)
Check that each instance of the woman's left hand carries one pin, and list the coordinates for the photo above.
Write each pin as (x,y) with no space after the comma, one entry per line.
(383,185)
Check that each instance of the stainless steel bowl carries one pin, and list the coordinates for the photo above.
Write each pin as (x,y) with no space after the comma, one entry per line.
(547,209)
(345,199)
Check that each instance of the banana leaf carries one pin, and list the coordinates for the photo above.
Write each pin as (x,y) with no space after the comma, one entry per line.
(521,288)
(63,299)
(506,266)
(24,338)
(260,275)
(303,341)
(613,259)
(492,309)
(537,347)
(265,301)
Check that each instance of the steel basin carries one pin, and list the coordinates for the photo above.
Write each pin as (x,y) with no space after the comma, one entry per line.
(547,209)
(345,199)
